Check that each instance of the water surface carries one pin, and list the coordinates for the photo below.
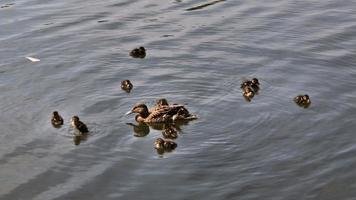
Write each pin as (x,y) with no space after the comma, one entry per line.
(268,148)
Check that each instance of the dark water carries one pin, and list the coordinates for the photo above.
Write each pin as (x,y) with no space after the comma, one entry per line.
(268,148)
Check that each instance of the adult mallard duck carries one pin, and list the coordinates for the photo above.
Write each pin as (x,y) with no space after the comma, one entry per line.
(126,85)
(163,115)
(79,125)
(57,120)
(138,52)
(302,100)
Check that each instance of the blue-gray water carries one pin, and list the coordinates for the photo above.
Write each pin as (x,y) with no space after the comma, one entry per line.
(268,148)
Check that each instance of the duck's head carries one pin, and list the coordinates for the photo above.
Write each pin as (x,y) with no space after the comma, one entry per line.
(75,119)
(142,48)
(159,143)
(305,97)
(248,90)
(140,109)
(162,102)
(126,82)
(169,145)
(255,81)
(245,84)
(55,114)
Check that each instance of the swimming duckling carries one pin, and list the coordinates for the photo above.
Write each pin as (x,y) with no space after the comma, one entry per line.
(255,81)
(163,115)
(169,145)
(165,145)
(170,133)
(183,114)
(126,85)
(255,84)
(159,143)
(248,93)
(57,120)
(160,103)
(246,83)
(302,100)
(79,125)
(138,52)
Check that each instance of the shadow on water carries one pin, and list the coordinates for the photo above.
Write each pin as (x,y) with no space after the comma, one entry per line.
(204,5)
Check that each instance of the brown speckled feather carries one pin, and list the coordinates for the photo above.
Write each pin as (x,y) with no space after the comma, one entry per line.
(164,113)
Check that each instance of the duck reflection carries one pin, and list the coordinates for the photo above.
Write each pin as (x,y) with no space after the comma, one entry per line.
(140,129)
(170,132)
(79,137)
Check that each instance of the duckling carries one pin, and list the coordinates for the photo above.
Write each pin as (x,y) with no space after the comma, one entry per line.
(138,52)
(163,115)
(57,120)
(160,103)
(165,145)
(183,114)
(79,125)
(159,143)
(126,85)
(246,83)
(302,100)
(248,93)
(255,84)
(255,81)
(170,133)
(169,145)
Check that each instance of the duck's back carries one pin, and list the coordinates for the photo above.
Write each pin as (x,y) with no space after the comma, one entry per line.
(163,114)
(82,127)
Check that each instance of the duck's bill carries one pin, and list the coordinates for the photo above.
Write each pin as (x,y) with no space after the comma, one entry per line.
(130,112)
